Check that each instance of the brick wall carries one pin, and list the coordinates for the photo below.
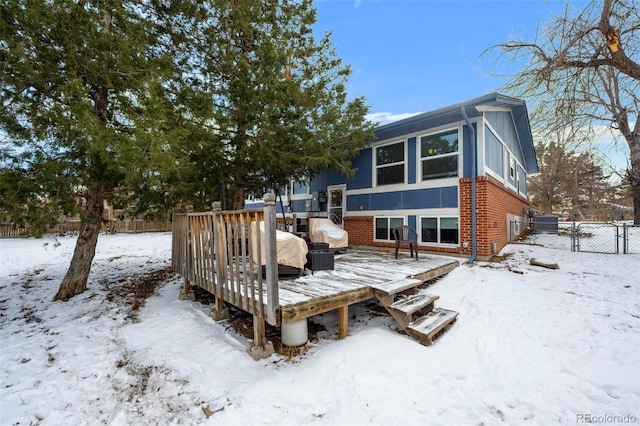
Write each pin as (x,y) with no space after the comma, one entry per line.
(493,202)
(360,230)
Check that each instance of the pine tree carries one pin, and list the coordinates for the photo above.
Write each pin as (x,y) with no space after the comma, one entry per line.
(89,111)
(278,102)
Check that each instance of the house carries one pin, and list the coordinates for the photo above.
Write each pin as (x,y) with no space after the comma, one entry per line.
(458,175)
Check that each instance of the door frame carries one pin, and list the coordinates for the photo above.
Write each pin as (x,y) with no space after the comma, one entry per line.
(343,188)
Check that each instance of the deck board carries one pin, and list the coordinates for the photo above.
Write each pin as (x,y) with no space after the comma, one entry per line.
(352,280)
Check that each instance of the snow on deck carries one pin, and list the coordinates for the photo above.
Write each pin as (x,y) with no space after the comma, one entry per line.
(356,272)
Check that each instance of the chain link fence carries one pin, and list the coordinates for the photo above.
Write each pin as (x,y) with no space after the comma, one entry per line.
(594,237)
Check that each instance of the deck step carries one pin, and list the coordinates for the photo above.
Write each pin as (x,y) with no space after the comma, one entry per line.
(425,328)
(414,303)
(390,288)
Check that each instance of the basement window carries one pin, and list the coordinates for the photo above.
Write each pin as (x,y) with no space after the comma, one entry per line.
(439,230)
(384,225)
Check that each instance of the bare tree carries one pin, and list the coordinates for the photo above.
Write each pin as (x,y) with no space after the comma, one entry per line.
(583,72)
(567,178)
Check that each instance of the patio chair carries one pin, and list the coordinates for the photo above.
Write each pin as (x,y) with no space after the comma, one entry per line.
(406,235)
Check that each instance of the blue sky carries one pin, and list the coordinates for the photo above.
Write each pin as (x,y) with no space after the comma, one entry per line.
(412,56)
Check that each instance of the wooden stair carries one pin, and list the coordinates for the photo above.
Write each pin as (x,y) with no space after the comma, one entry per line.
(426,328)
(414,309)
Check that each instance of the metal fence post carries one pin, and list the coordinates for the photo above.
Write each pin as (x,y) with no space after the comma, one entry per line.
(625,239)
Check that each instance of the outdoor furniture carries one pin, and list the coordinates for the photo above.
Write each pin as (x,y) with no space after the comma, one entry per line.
(291,250)
(323,230)
(319,257)
(406,235)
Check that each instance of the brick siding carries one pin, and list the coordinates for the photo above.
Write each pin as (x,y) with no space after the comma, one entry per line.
(493,203)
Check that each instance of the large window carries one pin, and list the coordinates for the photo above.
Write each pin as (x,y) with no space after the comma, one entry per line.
(439,154)
(390,163)
(384,225)
(439,230)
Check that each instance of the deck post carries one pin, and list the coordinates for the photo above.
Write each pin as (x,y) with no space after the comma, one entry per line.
(271,268)
(187,294)
(343,321)
(259,348)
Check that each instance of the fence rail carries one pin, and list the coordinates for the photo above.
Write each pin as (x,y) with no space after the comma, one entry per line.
(224,253)
(594,237)
(72,227)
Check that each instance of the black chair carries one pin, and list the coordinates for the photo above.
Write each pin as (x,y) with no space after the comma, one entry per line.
(406,235)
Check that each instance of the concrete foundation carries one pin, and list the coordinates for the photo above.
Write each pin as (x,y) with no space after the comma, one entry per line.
(260,352)
(219,315)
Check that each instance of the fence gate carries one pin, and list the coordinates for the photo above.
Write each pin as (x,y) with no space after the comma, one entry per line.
(598,238)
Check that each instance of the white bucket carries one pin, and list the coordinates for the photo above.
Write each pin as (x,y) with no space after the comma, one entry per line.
(295,333)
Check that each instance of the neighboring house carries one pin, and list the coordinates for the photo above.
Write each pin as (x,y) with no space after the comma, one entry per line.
(419,172)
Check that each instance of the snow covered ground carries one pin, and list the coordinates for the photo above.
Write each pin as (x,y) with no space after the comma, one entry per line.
(531,346)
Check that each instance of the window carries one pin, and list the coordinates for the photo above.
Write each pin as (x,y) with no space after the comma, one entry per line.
(512,169)
(384,225)
(439,230)
(449,230)
(390,163)
(439,153)
(300,188)
(522,180)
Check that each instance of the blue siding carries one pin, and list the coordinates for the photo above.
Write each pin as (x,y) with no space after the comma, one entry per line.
(431,198)
(326,178)
(363,164)
(502,122)
(256,205)
(466,146)
(412,221)
(412,160)
(493,152)
(298,206)
(421,122)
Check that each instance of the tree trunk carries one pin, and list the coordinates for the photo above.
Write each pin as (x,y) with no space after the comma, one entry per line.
(633,173)
(634,180)
(75,281)
(238,197)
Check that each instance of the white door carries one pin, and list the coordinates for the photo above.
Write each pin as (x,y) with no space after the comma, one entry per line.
(336,203)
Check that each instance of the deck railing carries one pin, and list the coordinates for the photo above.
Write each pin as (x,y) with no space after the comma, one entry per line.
(225,253)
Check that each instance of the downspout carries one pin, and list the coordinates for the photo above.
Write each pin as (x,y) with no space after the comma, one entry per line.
(473,185)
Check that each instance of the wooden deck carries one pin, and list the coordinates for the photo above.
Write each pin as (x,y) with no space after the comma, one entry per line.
(357,275)
(212,250)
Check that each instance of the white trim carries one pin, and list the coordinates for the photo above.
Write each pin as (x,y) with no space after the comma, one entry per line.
(507,155)
(374,166)
(343,189)
(390,239)
(407,136)
(459,153)
(437,217)
(493,174)
(480,146)
(427,184)
(488,108)
(450,212)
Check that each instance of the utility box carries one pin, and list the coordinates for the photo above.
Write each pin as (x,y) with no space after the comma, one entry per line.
(545,223)
(315,201)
